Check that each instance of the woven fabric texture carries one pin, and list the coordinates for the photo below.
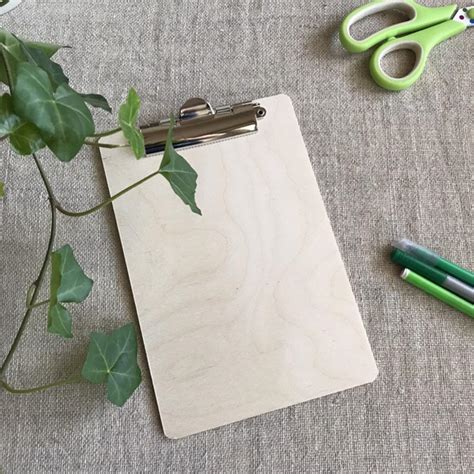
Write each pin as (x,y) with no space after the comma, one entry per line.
(388,165)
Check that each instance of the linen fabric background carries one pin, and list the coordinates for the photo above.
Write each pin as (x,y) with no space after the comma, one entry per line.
(388,165)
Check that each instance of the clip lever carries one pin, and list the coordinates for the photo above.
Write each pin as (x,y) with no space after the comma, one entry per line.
(198,122)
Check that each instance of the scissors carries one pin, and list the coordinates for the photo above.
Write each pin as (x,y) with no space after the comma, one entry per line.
(427,27)
(7,5)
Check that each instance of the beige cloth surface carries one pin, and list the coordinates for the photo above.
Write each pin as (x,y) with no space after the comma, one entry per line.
(388,165)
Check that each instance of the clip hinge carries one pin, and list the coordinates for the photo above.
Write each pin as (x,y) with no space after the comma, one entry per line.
(198,122)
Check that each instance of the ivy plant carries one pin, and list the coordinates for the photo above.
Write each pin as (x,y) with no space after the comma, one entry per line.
(40,111)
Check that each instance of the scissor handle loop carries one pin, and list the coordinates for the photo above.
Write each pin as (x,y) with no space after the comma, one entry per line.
(419,17)
(421,43)
(397,83)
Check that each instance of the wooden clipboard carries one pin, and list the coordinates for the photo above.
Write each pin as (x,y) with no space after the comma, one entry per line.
(248,308)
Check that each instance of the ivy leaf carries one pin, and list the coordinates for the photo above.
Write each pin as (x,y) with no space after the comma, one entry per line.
(56,74)
(8,120)
(24,137)
(112,359)
(128,115)
(179,173)
(39,58)
(59,321)
(61,116)
(2,189)
(97,100)
(69,284)
(13,54)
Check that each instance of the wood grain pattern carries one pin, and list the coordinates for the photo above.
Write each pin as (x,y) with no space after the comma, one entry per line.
(248,308)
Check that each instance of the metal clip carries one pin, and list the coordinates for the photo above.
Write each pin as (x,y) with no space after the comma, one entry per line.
(198,122)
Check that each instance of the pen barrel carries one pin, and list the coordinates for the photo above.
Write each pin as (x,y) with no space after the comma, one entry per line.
(418,251)
(431,258)
(440,293)
(460,288)
(452,269)
(406,260)
(437,276)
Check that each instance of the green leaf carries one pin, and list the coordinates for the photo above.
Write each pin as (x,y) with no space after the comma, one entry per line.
(39,58)
(24,137)
(56,74)
(128,116)
(13,54)
(61,116)
(50,49)
(112,359)
(179,173)
(8,120)
(2,189)
(97,100)
(68,284)
(59,321)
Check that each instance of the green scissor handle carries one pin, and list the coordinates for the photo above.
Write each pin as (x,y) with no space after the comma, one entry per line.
(421,43)
(420,17)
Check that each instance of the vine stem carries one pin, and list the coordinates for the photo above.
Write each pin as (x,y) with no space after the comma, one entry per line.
(68,381)
(39,280)
(55,207)
(106,133)
(106,202)
(41,303)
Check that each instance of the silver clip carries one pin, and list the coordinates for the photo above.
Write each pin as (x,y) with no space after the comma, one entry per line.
(198,122)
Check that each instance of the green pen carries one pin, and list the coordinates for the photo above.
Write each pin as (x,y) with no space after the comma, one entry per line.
(433,274)
(440,293)
(435,260)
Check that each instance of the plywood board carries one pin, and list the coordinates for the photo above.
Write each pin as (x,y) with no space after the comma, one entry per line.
(248,308)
